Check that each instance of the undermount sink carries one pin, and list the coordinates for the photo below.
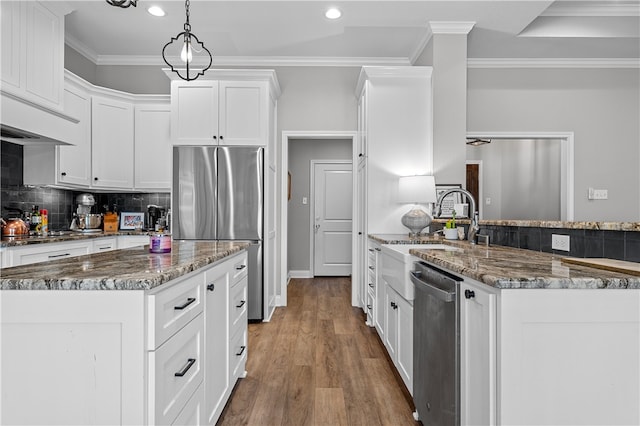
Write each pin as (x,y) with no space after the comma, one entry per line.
(397,263)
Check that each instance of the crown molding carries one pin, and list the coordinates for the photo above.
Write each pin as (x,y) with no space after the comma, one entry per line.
(597,9)
(422,44)
(81,48)
(553,63)
(451,27)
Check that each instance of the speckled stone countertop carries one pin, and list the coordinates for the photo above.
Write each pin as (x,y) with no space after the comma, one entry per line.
(62,236)
(510,268)
(125,269)
(596,226)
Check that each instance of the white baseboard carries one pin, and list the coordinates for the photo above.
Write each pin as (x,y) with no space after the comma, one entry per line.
(300,274)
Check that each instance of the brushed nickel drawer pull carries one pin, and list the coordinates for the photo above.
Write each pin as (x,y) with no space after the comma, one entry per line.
(242,302)
(186,368)
(188,302)
(59,255)
(240,267)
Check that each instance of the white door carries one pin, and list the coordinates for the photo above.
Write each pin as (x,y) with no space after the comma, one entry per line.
(333,192)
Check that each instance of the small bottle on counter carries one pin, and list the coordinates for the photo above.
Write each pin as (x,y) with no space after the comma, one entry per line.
(44,220)
(160,243)
(35,222)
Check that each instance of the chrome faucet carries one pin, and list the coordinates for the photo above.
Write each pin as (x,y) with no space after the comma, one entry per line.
(474,227)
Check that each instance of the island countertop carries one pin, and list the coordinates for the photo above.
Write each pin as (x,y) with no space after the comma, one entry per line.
(126,269)
(511,268)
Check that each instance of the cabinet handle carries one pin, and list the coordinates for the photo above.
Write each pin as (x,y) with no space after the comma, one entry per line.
(242,348)
(371,250)
(240,267)
(372,268)
(211,287)
(221,137)
(186,368)
(58,255)
(393,305)
(369,307)
(63,173)
(469,294)
(95,178)
(215,137)
(188,302)
(242,302)
(371,285)
(361,155)
(104,248)
(378,249)
(359,233)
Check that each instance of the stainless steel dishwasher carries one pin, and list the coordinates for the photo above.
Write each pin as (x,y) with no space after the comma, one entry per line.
(436,346)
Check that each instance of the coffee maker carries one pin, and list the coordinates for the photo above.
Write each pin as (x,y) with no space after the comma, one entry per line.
(154,217)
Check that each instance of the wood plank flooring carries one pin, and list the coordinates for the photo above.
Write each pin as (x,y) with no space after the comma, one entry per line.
(317,363)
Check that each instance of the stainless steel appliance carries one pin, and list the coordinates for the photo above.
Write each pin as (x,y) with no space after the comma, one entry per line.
(155,217)
(83,218)
(436,345)
(218,195)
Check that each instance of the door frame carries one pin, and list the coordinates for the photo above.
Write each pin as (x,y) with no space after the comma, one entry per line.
(312,209)
(480,183)
(567,190)
(283,273)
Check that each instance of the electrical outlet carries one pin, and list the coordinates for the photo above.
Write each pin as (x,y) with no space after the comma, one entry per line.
(560,242)
(597,194)
(304,200)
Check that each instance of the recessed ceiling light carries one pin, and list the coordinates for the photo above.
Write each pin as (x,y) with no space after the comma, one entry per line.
(156,11)
(333,13)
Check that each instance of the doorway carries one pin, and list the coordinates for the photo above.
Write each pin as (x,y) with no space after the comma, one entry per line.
(331,218)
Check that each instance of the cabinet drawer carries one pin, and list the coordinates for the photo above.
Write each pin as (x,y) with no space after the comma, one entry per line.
(104,244)
(171,308)
(191,414)
(238,308)
(45,252)
(238,354)
(240,268)
(370,305)
(175,372)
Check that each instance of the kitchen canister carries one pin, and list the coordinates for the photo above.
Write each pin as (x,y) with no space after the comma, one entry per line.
(160,243)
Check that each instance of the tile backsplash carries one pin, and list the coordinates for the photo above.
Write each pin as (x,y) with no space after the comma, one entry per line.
(59,202)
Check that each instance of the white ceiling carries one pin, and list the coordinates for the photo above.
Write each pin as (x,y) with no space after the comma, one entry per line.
(370,32)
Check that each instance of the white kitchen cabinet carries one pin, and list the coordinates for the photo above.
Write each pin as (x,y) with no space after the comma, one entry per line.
(398,336)
(33,51)
(128,241)
(35,253)
(477,355)
(112,143)
(229,108)
(101,245)
(120,357)
(373,283)
(152,152)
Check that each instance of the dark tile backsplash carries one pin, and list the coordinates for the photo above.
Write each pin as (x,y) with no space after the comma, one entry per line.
(621,245)
(59,202)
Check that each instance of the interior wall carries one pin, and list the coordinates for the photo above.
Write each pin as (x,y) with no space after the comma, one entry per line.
(301,152)
(79,65)
(601,107)
(521,178)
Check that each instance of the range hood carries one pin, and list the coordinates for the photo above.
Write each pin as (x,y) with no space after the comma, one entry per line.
(23,137)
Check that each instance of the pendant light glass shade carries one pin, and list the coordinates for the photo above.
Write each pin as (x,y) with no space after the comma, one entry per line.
(189,55)
(123,3)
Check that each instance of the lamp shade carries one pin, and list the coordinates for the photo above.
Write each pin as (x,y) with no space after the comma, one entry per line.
(417,189)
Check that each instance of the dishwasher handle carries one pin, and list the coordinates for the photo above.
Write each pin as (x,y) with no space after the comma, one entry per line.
(439,294)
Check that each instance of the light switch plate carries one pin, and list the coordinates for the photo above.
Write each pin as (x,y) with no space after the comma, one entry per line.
(560,242)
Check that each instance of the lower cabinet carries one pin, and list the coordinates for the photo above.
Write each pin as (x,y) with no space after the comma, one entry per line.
(165,356)
(35,253)
(399,334)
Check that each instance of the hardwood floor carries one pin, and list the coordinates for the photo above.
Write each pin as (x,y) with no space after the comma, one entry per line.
(317,363)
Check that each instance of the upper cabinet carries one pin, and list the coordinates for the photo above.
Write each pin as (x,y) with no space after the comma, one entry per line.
(111,143)
(152,146)
(224,108)
(33,51)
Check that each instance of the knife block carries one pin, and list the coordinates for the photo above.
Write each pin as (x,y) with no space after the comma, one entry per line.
(110,222)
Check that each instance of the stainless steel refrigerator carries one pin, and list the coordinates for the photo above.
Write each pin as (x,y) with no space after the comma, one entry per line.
(218,195)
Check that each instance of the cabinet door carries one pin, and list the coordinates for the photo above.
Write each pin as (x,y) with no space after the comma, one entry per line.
(404,360)
(381,308)
(12,35)
(112,143)
(194,112)
(477,356)
(152,152)
(391,322)
(74,161)
(243,114)
(44,54)
(216,349)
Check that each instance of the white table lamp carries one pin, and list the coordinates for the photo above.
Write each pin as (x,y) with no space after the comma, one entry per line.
(416,190)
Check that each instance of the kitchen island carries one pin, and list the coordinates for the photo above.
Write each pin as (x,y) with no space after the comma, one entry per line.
(542,341)
(124,337)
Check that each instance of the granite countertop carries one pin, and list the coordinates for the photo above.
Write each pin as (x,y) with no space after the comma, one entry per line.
(125,269)
(511,268)
(62,236)
(555,224)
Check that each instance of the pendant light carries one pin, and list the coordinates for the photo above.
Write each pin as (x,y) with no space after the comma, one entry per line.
(123,3)
(191,50)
